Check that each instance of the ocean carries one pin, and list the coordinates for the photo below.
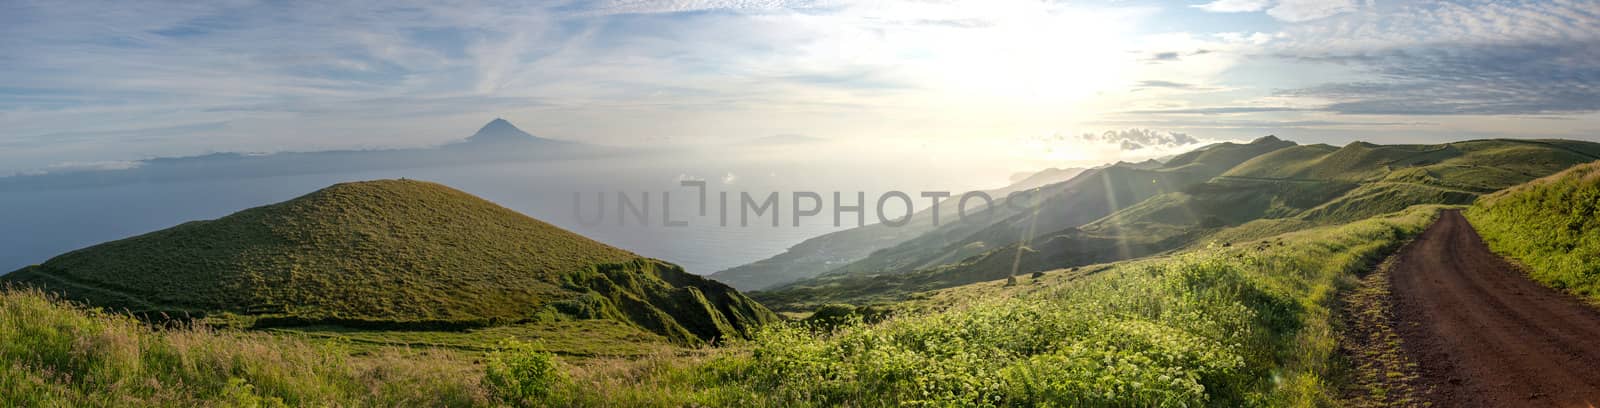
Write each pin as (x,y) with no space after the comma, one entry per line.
(38,225)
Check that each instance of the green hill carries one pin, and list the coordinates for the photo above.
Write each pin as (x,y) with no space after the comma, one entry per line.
(1245,194)
(1551,225)
(392,254)
(1242,326)
(1083,199)
(817,255)
(1089,196)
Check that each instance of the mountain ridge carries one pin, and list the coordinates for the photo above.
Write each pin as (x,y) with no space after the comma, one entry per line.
(821,254)
(1261,194)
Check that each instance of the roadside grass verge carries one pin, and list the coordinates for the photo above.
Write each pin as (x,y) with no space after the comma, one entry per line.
(1550,225)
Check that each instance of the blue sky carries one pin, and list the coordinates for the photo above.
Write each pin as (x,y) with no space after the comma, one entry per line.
(88,84)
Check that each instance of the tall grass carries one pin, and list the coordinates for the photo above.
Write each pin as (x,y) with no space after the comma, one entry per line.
(1551,225)
(56,355)
(1248,325)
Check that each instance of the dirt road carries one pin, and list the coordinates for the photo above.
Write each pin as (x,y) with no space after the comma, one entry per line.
(1483,334)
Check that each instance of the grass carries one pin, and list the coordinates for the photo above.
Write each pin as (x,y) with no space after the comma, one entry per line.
(1381,373)
(390,250)
(53,354)
(1269,190)
(1550,225)
(922,263)
(392,255)
(594,338)
(1246,325)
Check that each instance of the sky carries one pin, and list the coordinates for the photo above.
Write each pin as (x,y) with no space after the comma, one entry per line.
(89,84)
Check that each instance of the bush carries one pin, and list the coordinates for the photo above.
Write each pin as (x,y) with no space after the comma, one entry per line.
(520,374)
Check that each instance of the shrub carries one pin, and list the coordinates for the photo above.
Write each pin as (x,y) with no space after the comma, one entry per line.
(520,374)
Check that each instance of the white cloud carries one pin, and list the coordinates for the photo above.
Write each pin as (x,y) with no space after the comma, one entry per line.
(608,7)
(1295,11)
(1389,25)
(107,165)
(630,72)
(1234,6)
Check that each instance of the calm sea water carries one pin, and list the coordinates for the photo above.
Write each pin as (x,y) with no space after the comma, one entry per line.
(40,225)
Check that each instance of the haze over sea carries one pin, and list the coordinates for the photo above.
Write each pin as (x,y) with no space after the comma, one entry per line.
(42,224)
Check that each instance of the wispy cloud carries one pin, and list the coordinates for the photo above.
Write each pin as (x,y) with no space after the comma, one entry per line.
(1234,6)
(1286,10)
(97,81)
(1471,58)
(1215,110)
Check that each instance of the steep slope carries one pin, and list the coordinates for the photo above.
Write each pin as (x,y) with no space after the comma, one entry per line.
(1551,225)
(392,254)
(814,256)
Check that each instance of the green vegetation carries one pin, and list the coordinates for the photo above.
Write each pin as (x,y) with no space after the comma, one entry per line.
(932,260)
(351,285)
(521,374)
(393,255)
(1551,225)
(1247,325)
(817,255)
(57,355)
(583,339)
(1261,189)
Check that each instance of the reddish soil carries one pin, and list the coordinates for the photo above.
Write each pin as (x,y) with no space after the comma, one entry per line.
(1483,334)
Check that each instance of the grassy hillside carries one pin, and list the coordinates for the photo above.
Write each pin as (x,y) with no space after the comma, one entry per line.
(1238,326)
(1262,193)
(814,256)
(1551,225)
(1085,198)
(392,254)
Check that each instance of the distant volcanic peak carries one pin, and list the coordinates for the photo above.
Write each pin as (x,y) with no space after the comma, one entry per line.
(500,131)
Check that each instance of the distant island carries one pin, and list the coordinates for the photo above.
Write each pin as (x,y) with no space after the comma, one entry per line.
(497,141)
